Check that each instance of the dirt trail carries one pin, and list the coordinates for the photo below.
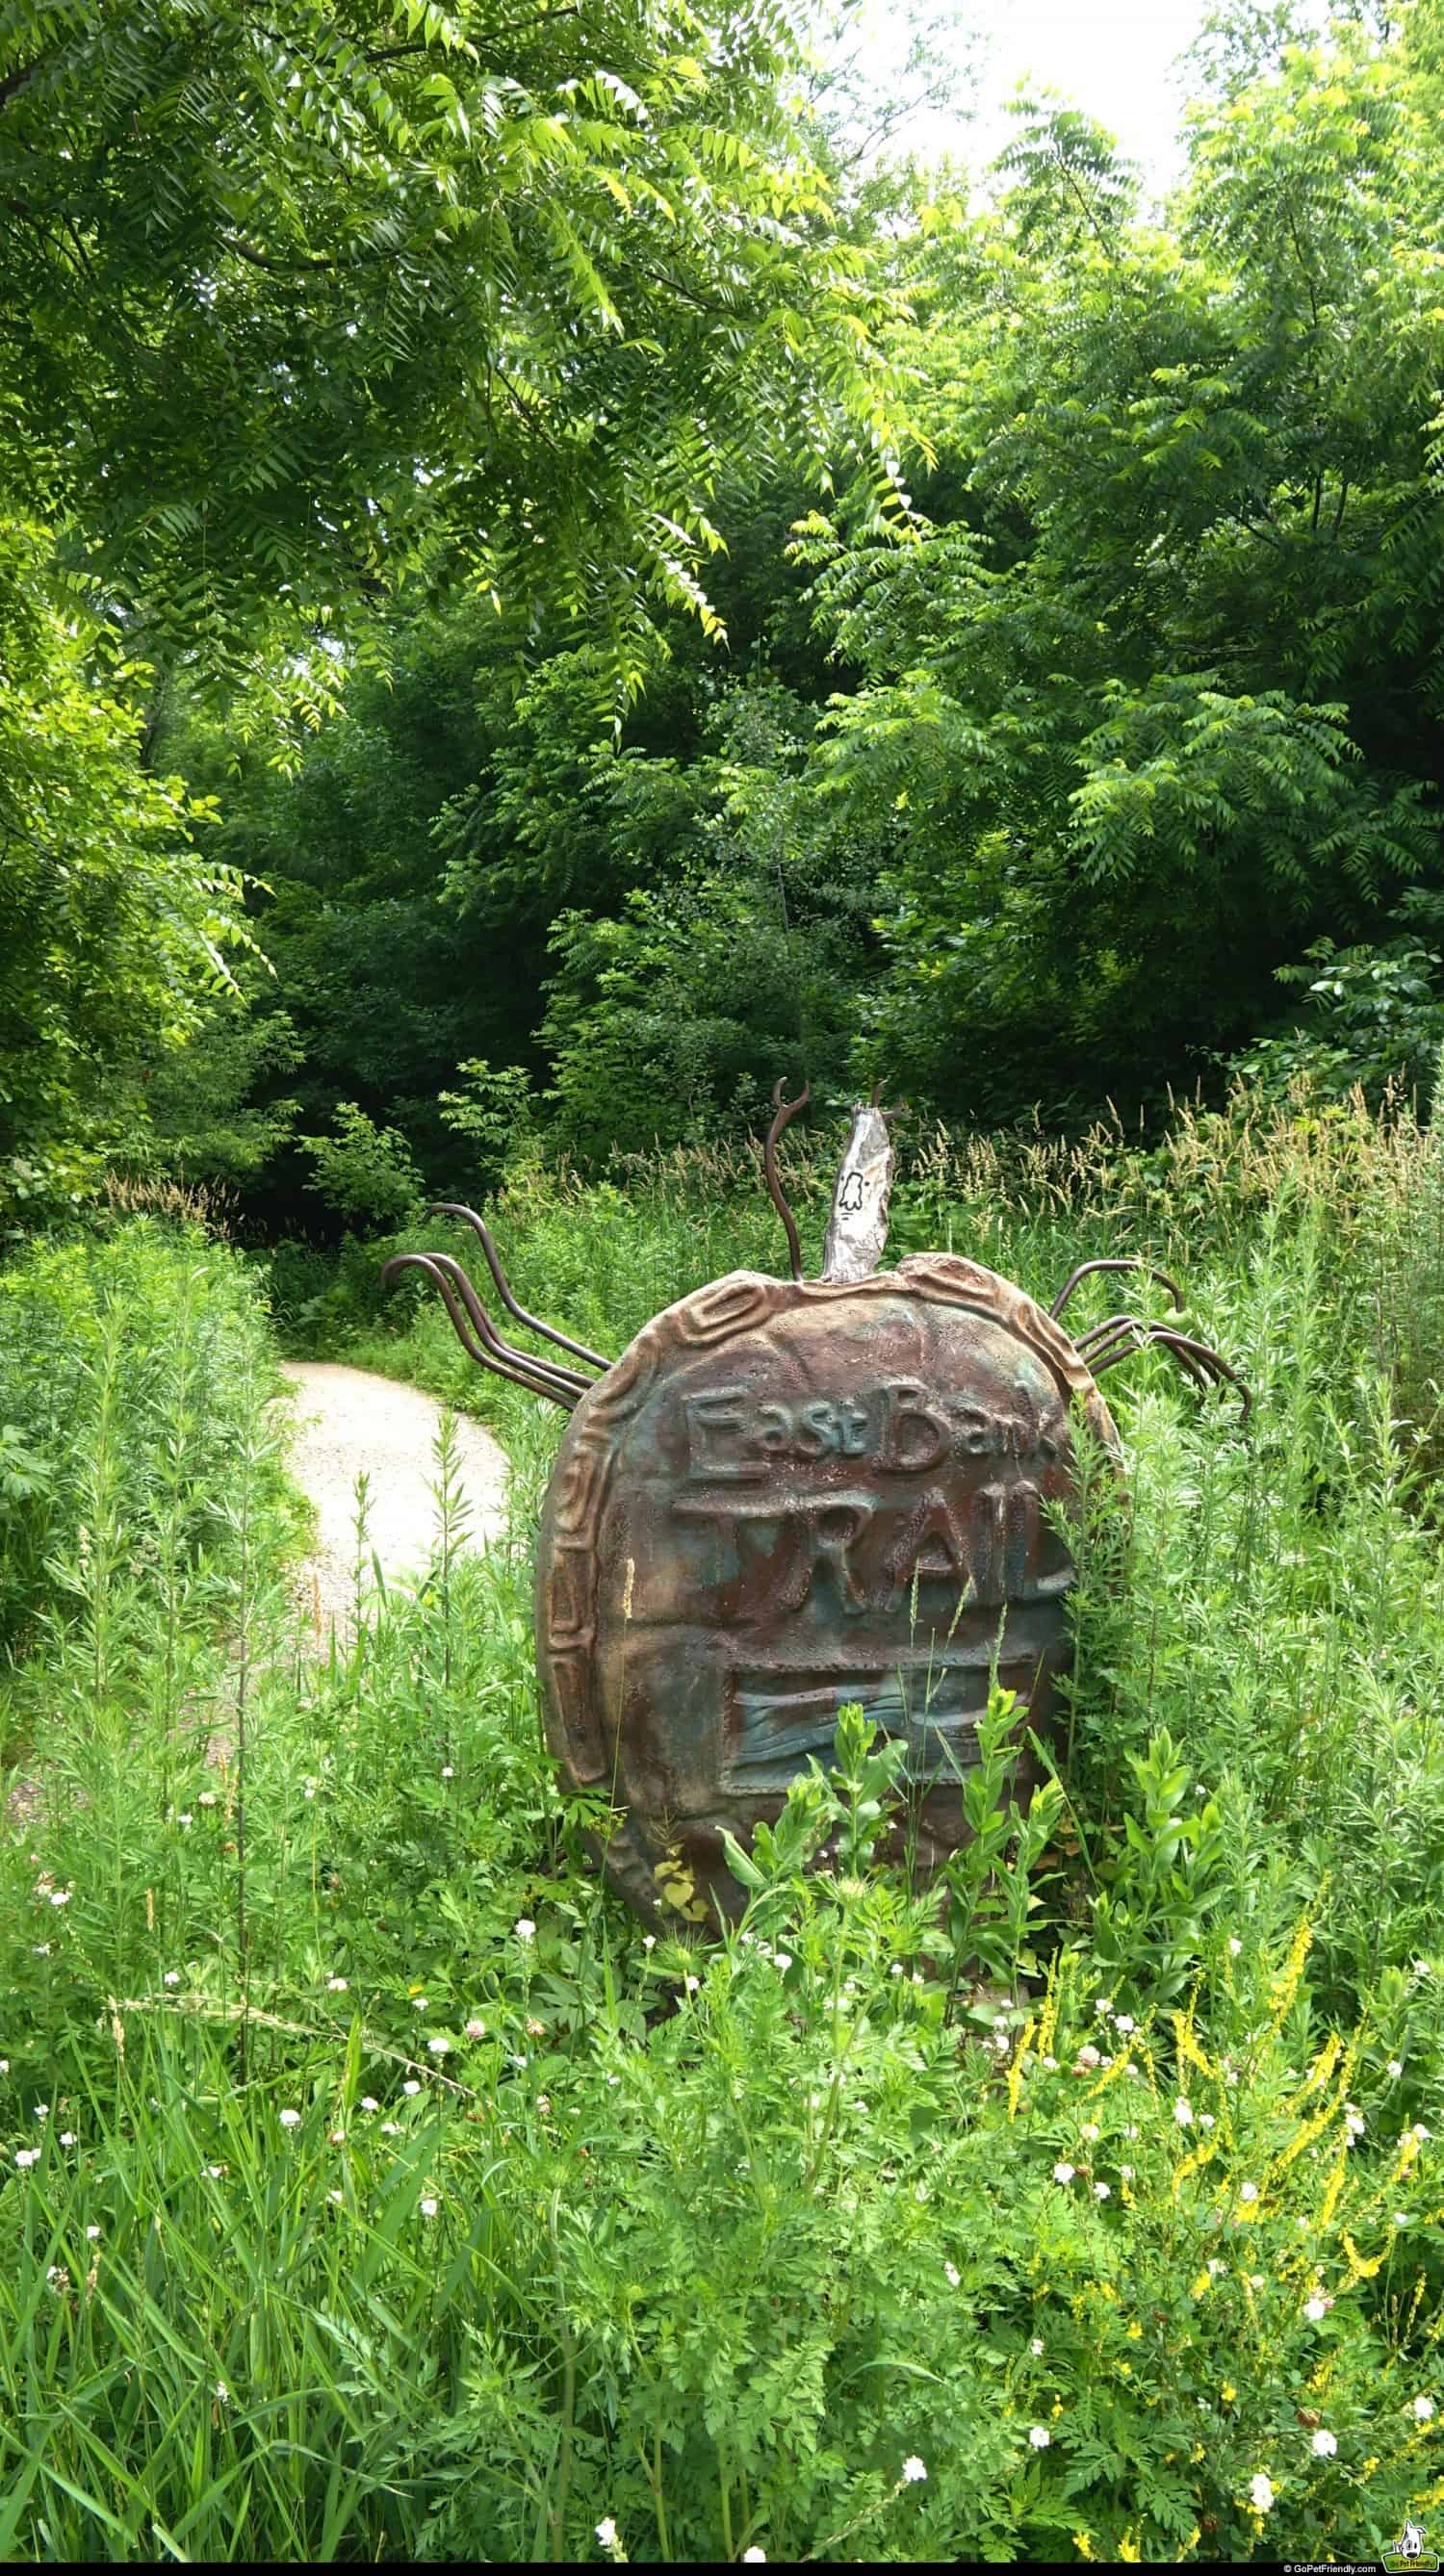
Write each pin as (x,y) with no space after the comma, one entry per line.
(346,1420)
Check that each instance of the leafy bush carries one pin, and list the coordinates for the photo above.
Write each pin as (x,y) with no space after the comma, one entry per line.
(129,1366)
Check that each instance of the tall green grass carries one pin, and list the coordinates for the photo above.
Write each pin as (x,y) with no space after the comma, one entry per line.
(436,2214)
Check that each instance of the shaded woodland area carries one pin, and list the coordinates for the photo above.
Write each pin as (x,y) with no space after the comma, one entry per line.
(825,613)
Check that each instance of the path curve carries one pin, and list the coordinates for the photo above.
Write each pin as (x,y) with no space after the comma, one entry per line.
(347,1419)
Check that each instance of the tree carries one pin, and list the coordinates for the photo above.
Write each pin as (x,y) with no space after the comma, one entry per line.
(113,929)
(292,301)
(1156,705)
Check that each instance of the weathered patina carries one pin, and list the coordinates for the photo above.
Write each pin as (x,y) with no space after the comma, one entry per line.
(787,1496)
(790,1495)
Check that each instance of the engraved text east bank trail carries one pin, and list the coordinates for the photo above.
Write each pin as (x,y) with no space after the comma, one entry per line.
(786,1496)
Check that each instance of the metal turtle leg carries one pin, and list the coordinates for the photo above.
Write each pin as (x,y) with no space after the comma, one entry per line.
(786,1111)
(477,1351)
(1199,1360)
(1128,1261)
(533,1323)
(569,1382)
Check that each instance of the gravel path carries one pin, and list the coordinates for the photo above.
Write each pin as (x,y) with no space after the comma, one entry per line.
(346,1420)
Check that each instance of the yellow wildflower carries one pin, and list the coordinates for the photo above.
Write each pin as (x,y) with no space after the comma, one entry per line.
(1334,2192)
(1199,2287)
(1362,2268)
(1286,1985)
(1083,2543)
(1135,2332)
(1129,2551)
(1228,2393)
(1015,2071)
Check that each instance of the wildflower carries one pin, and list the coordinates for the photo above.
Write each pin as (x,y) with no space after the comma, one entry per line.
(335,1985)
(390,2128)
(1001,2042)
(691,1984)
(1039,2436)
(428,2208)
(1394,2069)
(896,1969)
(290,2119)
(1248,2191)
(1126,2171)
(411,2086)
(1316,2309)
(41,1949)
(649,1942)
(1227,2393)
(27,2156)
(337,2137)
(334,2197)
(913,2472)
(1036,2346)
(42,2110)
(92,2236)
(1051,2064)
(1125,2022)
(536,2030)
(185,1820)
(207,1798)
(447,1772)
(1324,2445)
(1087,2058)
(60,1896)
(171,1977)
(1104,2005)
(952,2276)
(1100,2191)
(1423,2409)
(1063,2172)
(525,1929)
(1206,2120)
(607,2531)
(754,2557)
(223,2394)
(215,2172)
(1213,2267)
(1090,2129)
(1261,2493)
(1401,2218)
(1183,2112)
(1235,1946)
(475,2029)
(1354,2124)
(369,2102)
(4,2065)
(1421,2133)
(438,2046)
(418,2003)
(782,1961)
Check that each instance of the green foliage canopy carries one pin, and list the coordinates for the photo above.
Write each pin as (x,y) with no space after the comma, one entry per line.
(290,302)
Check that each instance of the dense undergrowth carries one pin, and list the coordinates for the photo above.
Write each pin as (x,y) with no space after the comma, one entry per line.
(379,2189)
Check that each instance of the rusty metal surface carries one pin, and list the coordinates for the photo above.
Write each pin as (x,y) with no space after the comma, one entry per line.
(790,1495)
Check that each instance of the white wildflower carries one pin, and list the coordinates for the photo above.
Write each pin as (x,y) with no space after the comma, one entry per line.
(525,1928)
(1324,2445)
(1183,2112)
(1039,2436)
(290,2119)
(1261,2493)
(1063,2172)
(913,2472)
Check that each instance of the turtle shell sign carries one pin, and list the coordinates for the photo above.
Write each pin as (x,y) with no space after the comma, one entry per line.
(786,1496)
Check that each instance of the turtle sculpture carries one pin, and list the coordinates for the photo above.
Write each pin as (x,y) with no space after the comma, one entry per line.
(791,1494)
